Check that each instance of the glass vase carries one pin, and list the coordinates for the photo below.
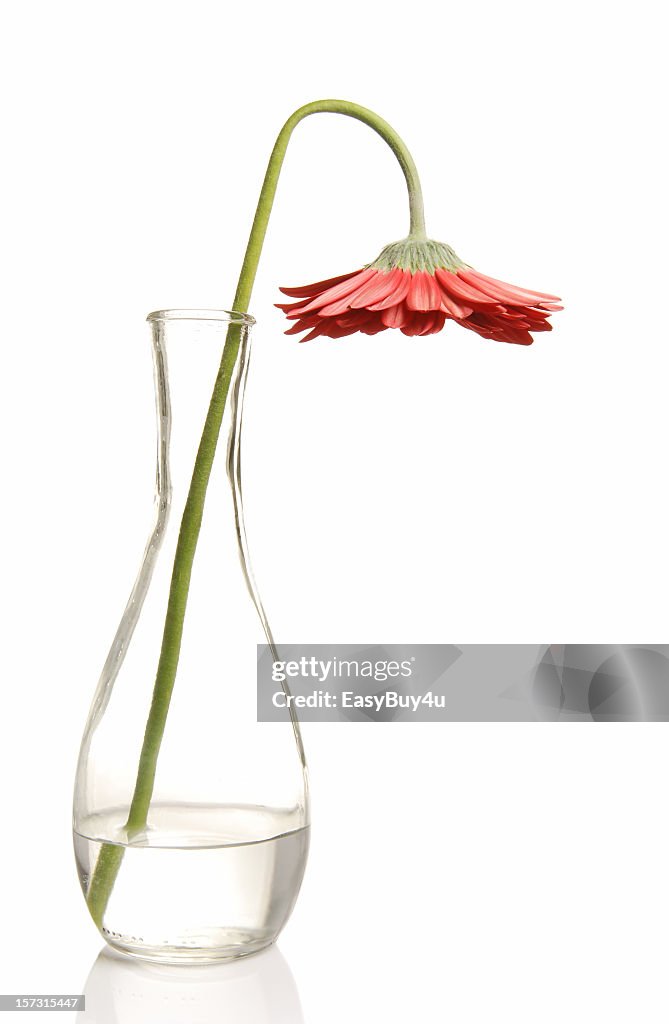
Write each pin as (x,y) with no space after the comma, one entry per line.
(212,869)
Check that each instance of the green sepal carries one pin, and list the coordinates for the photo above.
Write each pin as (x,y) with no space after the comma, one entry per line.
(412,254)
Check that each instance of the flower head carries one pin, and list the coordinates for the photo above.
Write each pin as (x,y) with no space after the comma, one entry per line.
(416,286)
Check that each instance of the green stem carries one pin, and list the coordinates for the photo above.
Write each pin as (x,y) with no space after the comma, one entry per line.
(109,860)
(102,880)
(268,191)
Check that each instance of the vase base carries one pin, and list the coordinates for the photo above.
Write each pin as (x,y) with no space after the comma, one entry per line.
(191,955)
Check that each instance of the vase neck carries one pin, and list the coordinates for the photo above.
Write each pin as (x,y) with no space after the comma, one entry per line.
(187,351)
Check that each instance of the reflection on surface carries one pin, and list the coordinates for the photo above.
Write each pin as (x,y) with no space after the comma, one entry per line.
(254,990)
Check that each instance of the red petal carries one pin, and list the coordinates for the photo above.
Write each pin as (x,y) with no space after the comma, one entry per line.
(452,283)
(320,329)
(398,295)
(512,287)
(516,337)
(451,307)
(395,316)
(335,331)
(501,291)
(424,293)
(303,325)
(339,291)
(288,307)
(379,288)
(536,315)
(362,320)
(355,318)
(373,328)
(431,322)
(487,328)
(314,289)
(356,299)
(329,328)
(412,325)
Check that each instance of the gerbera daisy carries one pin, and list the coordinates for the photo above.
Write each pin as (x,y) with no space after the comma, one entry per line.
(416,286)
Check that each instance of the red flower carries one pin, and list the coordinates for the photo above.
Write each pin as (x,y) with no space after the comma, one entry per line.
(417,286)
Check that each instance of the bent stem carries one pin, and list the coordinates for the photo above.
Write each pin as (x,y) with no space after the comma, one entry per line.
(109,861)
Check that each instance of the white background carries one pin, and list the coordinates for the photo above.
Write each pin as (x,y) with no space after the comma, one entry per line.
(440,489)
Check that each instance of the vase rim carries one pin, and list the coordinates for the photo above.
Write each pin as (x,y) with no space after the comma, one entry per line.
(229,316)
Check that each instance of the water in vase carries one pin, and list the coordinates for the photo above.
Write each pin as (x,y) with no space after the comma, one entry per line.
(199,883)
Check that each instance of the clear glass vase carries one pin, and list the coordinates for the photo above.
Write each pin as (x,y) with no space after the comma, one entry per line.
(212,870)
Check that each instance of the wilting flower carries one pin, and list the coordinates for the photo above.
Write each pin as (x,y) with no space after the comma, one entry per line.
(416,286)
